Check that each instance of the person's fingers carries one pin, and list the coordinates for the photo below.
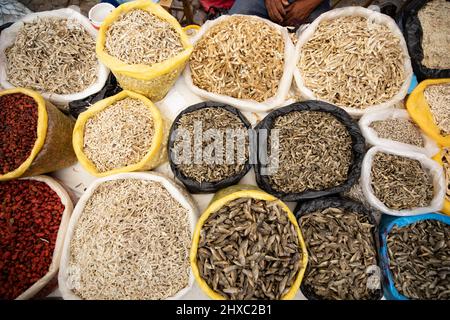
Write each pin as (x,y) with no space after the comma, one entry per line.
(285,3)
(280,8)
(273,12)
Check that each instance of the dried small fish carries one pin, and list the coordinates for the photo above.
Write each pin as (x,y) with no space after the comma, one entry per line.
(446,164)
(401,130)
(438,98)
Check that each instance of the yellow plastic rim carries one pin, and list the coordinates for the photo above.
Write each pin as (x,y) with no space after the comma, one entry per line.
(446,208)
(220,199)
(42,124)
(78,134)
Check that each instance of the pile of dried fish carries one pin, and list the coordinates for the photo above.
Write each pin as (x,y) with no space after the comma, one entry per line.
(249,250)
(400,183)
(315,152)
(401,130)
(341,247)
(214,165)
(446,165)
(139,37)
(438,98)
(435,25)
(241,57)
(419,259)
(352,62)
(52,55)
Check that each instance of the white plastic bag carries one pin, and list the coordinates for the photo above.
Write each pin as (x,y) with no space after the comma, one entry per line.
(433,168)
(8,36)
(57,251)
(377,17)
(430,147)
(248,104)
(176,190)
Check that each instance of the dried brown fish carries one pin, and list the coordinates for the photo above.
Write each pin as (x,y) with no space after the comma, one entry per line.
(401,130)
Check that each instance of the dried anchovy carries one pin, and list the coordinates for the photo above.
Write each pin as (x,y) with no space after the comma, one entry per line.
(340,247)
(249,249)
(52,55)
(401,130)
(315,152)
(446,165)
(219,120)
(352,62)
(438,98)
(139,37)
(419,259)
(435,25)
(241,57)
(400,183)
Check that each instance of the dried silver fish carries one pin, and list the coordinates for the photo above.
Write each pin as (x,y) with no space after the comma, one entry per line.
(438,98)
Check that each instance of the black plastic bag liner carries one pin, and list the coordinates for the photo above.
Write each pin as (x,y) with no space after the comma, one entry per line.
(410,25)
(311,206)
(206,187)
(358,150)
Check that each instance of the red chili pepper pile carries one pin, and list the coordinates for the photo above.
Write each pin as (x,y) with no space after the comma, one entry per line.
(30,215)
(18,130)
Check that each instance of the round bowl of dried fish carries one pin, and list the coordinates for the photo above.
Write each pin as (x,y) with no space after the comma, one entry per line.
(52,52)
(354,58)
(122,133)
(429,106)
(247,245)
(402,183)
(443,158)
(308,150)
(415,257)
(129,238)
(144,46)
(340,237)
(199,167)
(244,61)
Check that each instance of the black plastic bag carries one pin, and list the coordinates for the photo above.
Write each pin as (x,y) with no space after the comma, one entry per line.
(111,88)
(358,150)
(206,187)
(348,205)
(410,25)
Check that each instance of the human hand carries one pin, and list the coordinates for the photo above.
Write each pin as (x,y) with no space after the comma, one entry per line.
(276,9)
(299,11)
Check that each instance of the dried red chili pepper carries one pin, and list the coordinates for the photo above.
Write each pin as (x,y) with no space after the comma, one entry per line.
(18,130)
(30,215)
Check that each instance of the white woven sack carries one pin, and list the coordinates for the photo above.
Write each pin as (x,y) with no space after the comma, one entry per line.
(248,104)
(176,190)
(374,16)
(430,147)
(53,269)
(8,36)
(434,169)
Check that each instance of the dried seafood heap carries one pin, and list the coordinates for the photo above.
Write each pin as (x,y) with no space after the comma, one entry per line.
(400,183)
(435,25)
(241,57)
(119,136)
(438,98)
(352,62)
(340,247)
(446,165)
(401,130)
(139,37)
(419,259)
(131,241)
(214,166)
(52,55)
(249,250)
(315,152)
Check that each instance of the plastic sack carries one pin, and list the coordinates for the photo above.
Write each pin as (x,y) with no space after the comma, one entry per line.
(175,190)
(308,207)
(152,81)
(429,149)
(358,150)
(435,171)
(438,159)
(248,104)
(377,17)
(8,36)
(205,187)
(11,10)
(420,112)
(46,281)
(156,155)
(218,201)
(386,225)
(52,149)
